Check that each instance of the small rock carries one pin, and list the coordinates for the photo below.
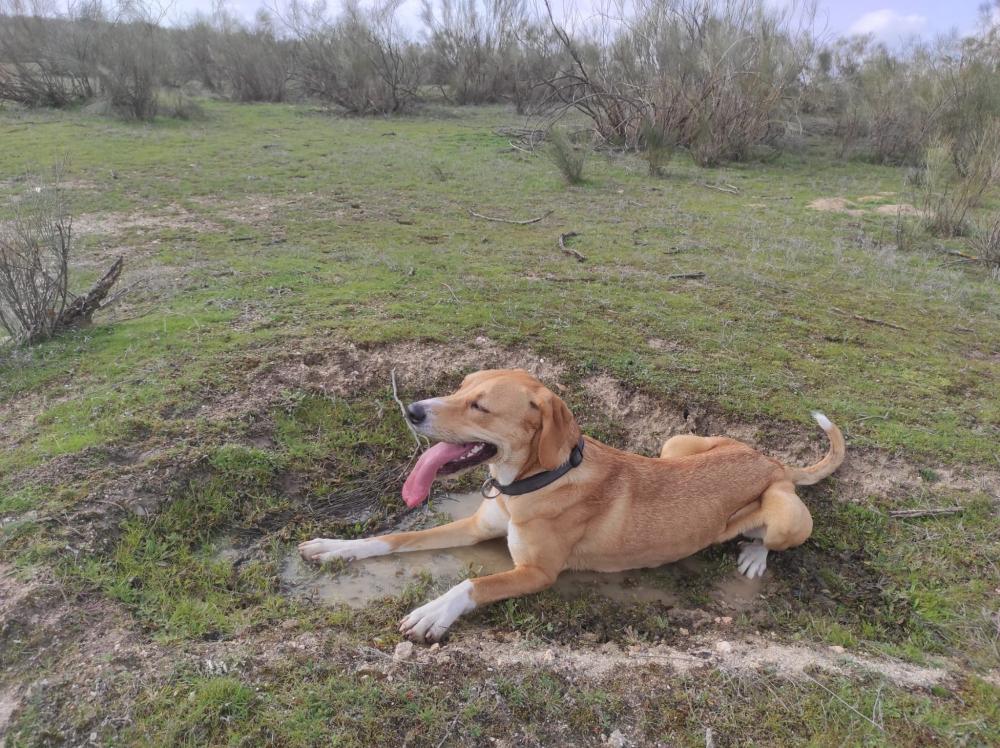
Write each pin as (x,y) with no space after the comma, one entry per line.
(683,631)
(837,649)
(723,647)
(724,620)
(404,651)
(435,646)
(616,740)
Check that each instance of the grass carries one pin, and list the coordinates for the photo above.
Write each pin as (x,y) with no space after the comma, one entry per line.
(265,234)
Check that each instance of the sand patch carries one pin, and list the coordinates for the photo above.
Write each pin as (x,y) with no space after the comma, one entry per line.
(900,209)
(851,208)
(171,217)
(835,205)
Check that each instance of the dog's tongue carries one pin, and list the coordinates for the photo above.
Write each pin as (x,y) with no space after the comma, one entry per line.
(418,482)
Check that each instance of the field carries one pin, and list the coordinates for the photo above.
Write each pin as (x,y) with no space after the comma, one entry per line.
(158,468)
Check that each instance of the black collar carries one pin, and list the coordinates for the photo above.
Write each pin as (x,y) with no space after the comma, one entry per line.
(536,481)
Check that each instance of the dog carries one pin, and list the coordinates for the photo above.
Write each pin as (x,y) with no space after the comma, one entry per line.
(565,501)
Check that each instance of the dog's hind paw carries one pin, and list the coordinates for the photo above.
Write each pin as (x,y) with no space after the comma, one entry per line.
(753,560)
(322,550)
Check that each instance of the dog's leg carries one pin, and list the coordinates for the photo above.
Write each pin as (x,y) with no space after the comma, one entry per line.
(781,522)
(539,552)
(431,621)
(683,445)
(489,521)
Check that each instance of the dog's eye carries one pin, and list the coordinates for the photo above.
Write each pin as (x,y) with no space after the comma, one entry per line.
(476,406)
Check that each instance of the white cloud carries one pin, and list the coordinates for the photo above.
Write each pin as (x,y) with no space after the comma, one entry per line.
(887,23)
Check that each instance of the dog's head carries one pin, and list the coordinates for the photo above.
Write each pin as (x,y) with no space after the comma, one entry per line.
(501,416)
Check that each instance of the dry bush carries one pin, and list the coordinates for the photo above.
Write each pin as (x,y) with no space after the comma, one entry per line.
(197,54)
(568,157)
(473,47)
(253,62)
(47,61)
(950,189)
(714,76)
(35,246)
(132,60)
(986,244)
(657,148)
(361,61)
(891,105)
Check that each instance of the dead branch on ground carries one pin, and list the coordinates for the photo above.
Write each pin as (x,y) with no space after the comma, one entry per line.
(569,250)
(508,220)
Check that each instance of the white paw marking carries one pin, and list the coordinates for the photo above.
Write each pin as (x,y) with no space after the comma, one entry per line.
(322,550)
(753,560)
(431,621)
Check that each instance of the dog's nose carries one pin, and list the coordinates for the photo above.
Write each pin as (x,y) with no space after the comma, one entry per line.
(416,413)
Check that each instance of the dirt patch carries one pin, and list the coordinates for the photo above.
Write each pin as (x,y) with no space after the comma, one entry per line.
(851,208)
(835,205)
(900,209)
(878,197)
(750,654)
(260,211)
(172,217)
(348,370)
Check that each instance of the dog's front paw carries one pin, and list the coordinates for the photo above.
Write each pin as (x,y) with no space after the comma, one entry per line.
(430,622)
(753,559)
(322,550)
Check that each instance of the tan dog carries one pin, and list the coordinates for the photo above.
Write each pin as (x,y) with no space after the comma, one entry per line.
(613,511)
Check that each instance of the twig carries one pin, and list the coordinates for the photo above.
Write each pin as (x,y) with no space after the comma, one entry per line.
(853,709)
(508,220)
(569,250)
(402,409)
(682,276)
(114,297)
(727,188)
(883,417)
(448,731)
(932,512)
(871,320)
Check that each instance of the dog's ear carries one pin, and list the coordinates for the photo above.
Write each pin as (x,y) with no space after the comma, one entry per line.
(558,433)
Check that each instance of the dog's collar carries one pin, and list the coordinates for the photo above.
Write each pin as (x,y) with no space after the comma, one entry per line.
(491,488)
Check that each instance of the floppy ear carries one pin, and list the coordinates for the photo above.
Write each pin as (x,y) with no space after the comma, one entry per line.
(558,433)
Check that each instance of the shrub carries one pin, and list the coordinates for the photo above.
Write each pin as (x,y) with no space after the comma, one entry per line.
(716,77)
(46,61)
(35,246)
(566,155)
(986,244)
(361,61)
(473,46)
(253,62)
(132,59)
(954,181)
(657,147)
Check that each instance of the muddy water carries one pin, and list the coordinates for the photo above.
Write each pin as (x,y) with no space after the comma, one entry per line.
(370,579)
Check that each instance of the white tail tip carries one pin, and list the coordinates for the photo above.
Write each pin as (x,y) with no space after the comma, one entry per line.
(822,420)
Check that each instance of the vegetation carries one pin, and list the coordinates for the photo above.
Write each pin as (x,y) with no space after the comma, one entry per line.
(158,467)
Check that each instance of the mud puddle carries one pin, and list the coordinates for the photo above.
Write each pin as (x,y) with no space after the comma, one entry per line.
(367,580)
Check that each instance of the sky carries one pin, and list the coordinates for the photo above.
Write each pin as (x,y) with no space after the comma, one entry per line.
(888,21)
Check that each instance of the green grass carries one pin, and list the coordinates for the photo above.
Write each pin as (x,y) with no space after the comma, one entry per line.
(279,231)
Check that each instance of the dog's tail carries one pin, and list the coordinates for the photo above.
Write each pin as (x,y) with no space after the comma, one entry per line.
(815,473)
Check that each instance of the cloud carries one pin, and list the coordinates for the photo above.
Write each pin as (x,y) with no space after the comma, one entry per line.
(888,23)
